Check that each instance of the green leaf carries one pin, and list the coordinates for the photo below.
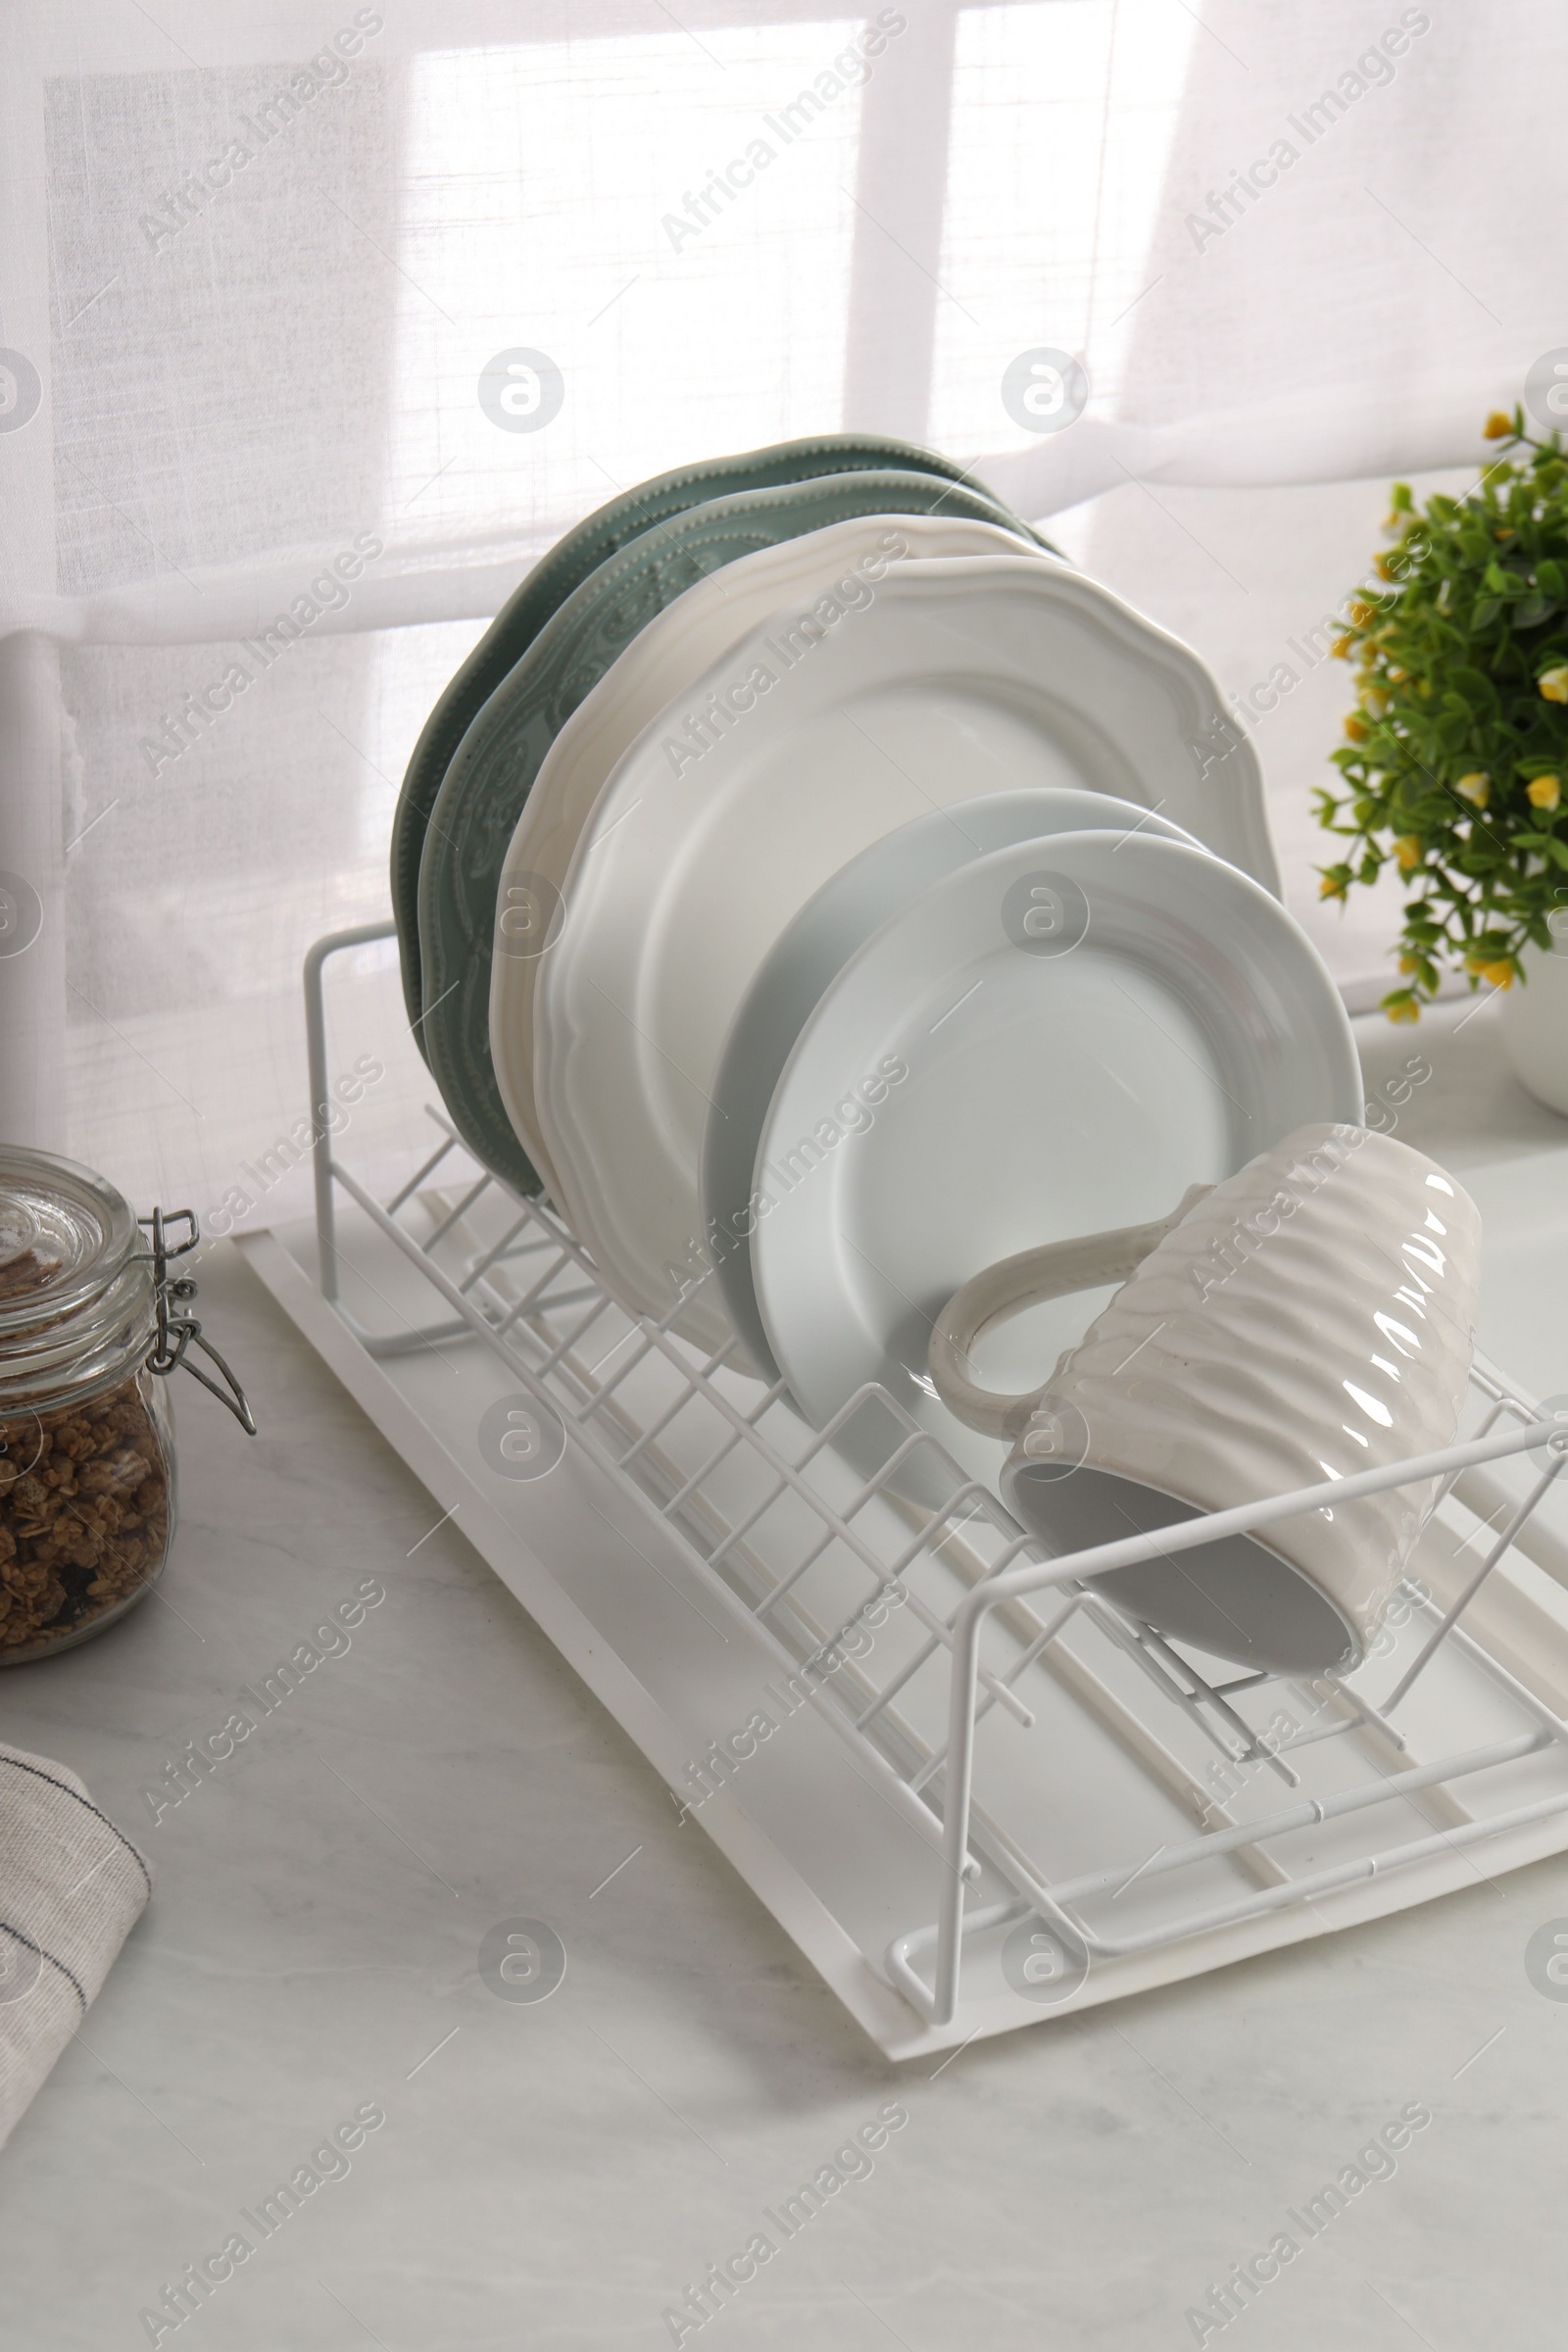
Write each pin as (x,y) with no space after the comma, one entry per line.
(1478,595)
(1474,686)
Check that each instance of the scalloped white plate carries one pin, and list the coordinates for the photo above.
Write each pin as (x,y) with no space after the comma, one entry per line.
(957,678)
(668,652)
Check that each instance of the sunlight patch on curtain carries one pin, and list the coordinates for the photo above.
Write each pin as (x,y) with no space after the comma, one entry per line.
(664,219)
(1064,114)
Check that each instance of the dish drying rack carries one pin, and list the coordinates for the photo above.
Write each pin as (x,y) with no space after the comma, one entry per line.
(975,1791)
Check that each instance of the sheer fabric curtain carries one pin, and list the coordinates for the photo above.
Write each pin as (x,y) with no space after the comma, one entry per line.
(257,260)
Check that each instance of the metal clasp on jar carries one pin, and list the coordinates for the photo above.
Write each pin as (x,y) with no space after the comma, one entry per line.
(178,1332)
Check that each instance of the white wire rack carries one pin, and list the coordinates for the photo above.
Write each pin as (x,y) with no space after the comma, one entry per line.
(1093,1806)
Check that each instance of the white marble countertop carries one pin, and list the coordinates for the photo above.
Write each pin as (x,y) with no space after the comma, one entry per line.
(557,2174)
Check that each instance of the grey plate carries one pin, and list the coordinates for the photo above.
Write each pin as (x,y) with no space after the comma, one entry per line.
(1062,1097)
(569,563)
(493,770)
(807,958)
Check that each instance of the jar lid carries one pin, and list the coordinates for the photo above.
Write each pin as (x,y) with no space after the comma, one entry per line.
(76,1300)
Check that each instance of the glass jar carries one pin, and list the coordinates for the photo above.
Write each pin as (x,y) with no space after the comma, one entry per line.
(86,1433)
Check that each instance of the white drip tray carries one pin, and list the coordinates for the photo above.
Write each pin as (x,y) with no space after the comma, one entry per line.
(1092,1775)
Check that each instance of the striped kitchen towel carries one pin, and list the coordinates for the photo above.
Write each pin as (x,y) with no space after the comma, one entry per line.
(71,1889)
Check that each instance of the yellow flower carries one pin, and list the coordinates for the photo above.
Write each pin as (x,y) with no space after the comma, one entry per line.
(1498,427)
(1554,684)
(1407,1009)
(1383,567)
(1397,675)
(1407,850)
(1499,974)
(1356,728)
(1328,888)
(1340,647)
(1476,788)
(1362,612)
(1544,792)
(1409,966)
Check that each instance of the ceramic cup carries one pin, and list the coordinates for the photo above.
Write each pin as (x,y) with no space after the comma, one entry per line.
(1312,1316)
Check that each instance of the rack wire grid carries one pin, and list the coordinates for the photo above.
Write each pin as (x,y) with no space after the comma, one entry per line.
(941,1644)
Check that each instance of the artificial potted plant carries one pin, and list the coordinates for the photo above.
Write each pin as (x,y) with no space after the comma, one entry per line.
(1457,753)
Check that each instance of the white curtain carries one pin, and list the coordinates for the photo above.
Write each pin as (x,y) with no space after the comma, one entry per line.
(256,257)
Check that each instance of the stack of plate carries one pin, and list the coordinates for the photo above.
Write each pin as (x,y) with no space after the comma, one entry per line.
(823,891)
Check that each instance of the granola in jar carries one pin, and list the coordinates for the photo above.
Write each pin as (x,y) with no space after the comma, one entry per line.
(86,1508)
(86,1437)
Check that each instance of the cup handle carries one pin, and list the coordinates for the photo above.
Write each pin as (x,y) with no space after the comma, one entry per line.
(1006,1288)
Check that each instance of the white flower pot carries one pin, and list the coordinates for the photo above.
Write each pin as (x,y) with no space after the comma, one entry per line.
(1535,1026)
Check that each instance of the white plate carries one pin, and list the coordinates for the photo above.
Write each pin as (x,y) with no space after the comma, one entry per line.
(808,956)
(956,680)
(662,661)
(1032,1092)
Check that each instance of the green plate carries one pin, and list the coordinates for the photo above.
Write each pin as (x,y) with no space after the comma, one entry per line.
(492,772)
(567,566)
